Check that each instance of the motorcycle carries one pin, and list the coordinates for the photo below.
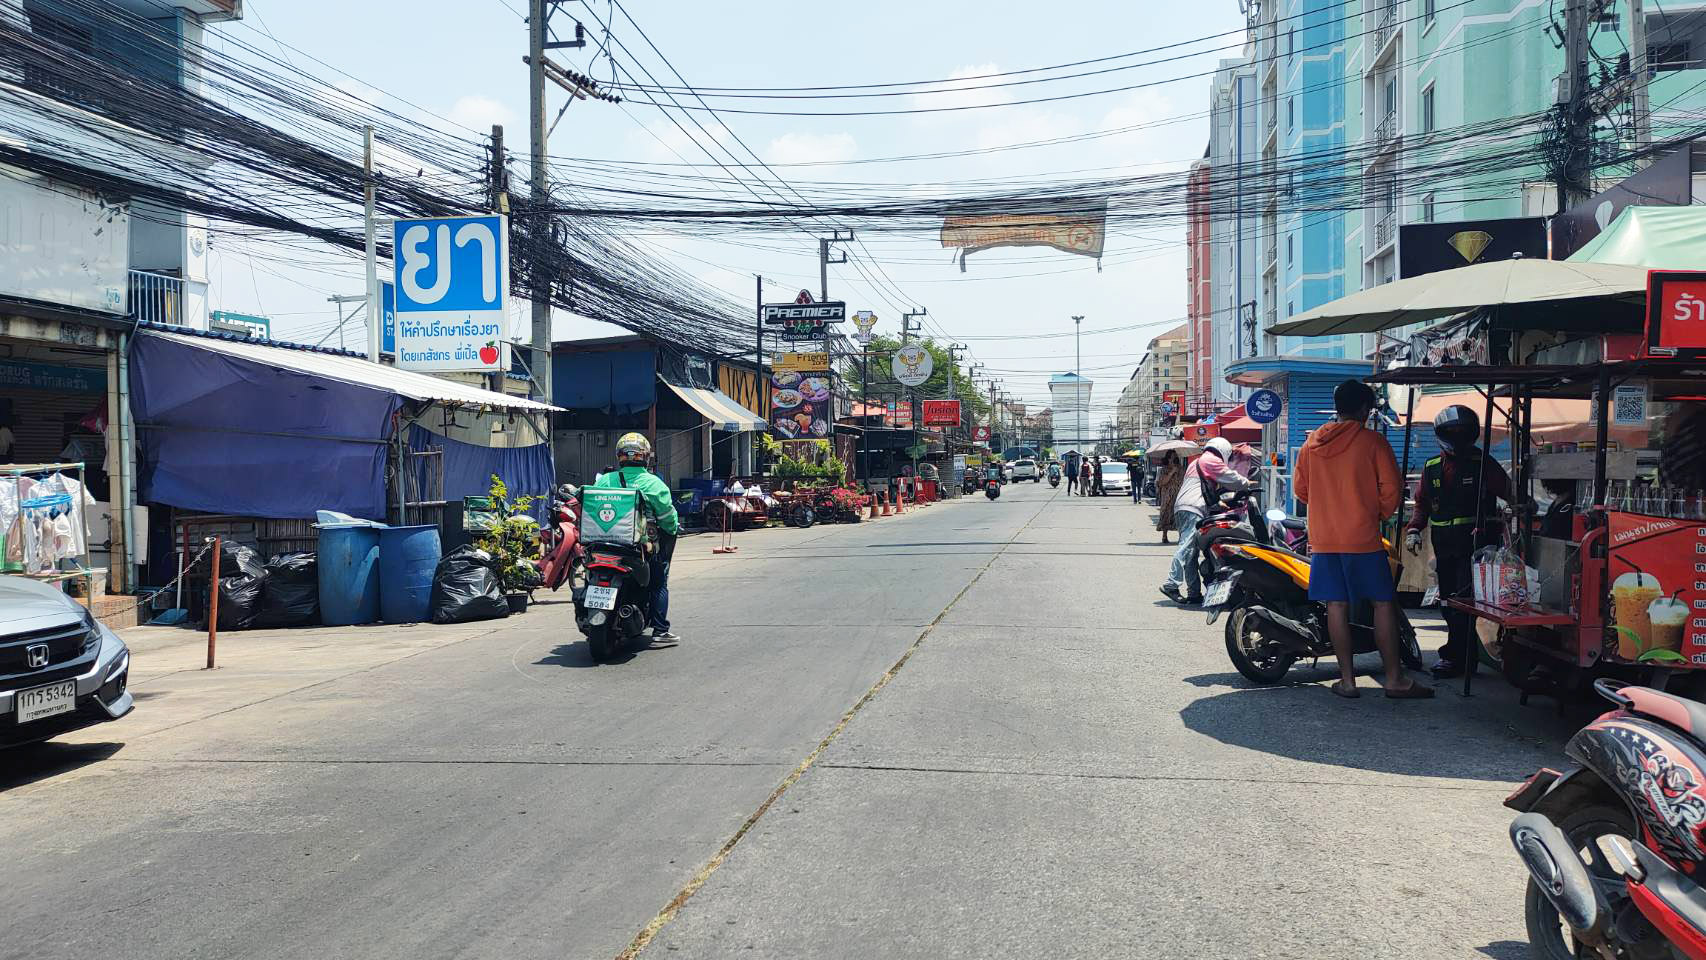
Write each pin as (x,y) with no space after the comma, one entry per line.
(1271,623)
(615,607)
(560,554)
(1614,847)
(992,484)
(1053,475)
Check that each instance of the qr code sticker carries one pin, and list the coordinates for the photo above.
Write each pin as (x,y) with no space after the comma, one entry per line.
(1631,408)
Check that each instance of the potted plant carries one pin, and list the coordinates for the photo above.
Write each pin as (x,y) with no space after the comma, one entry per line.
(513,542)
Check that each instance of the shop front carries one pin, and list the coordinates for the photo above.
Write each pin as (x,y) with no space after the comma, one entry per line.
(1305,388)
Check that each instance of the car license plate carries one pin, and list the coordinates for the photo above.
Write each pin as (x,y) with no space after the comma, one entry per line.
(38,702)
(601,598)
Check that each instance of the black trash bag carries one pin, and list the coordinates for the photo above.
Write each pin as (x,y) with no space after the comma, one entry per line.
(235,559)
(240,601)
(465,588)
(292,594)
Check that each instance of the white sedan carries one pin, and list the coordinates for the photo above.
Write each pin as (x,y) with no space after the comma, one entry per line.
(1024,470)
(1116,478)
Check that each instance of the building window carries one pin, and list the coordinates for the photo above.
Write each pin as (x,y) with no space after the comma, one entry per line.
(1427,208)
(1288,43)
(1428,10)
(1290,307)
(1428,109)
(1665,57)
(1291,113)
(1290,251)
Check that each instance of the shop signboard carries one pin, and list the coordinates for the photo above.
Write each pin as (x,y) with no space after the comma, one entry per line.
(863,322)
(1667,181)
(1431,247)
(65,246)
(1263,406)
(388,315)
(900,414)
(22,375)
(941,413)
(803,319)
(802,362)
(980,434)
(912,365)
(452,289)
(1172,401)
(1676,314)
(1658,588)
(1201,432)
(801,404)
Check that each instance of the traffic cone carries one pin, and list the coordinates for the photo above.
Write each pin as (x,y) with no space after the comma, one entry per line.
(885,501)
(899,502)
(872,515)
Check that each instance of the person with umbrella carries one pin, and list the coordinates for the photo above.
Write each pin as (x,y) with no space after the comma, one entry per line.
(1167,481)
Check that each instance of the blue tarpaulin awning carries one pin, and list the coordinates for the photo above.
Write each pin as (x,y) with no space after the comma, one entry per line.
(468,467)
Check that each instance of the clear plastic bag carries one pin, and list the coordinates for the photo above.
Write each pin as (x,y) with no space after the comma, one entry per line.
(1502,579)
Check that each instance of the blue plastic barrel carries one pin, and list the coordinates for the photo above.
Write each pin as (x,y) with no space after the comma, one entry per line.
(407,558)
(349,574)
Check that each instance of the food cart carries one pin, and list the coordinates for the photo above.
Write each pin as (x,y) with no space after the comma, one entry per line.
(1619,592)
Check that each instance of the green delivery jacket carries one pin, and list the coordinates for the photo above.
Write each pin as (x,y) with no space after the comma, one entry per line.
(660,503)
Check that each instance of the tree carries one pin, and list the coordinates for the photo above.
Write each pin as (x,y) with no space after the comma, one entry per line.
(884,385)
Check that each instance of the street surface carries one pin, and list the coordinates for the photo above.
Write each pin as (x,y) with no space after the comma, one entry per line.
(973,731)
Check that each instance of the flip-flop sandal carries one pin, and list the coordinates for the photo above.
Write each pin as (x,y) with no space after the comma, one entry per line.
(1415,691)
(1339,691)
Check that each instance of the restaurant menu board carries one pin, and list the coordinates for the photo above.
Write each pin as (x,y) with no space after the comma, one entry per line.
(1658,588)
(801,405)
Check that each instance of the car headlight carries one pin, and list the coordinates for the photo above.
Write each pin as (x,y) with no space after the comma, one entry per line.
(91,632)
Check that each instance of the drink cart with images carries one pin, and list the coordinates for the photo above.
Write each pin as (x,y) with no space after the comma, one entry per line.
(1617,584)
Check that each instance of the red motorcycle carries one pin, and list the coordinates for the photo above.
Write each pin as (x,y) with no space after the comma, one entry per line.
(1615,847)
(560,555)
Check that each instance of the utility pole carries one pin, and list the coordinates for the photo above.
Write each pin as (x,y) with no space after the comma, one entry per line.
(823,260)
(1641,116)
(539,195)
(907,329)
(497,197)
(373,321)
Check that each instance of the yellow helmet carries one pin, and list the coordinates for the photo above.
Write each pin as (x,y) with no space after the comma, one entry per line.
(633,446)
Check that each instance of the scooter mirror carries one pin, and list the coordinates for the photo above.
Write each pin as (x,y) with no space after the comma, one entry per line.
(1275,515)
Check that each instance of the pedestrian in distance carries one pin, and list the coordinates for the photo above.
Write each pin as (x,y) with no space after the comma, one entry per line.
(1167,481)
(1084,478)
(1069,464)
(1446,507)
(1096,479)
(1204,479)
(1136,470)
(1349,472)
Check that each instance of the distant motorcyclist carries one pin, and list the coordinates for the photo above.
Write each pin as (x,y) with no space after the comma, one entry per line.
(633,454)
(1446,506)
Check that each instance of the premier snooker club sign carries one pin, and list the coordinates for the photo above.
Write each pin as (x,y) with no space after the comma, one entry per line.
(802,319)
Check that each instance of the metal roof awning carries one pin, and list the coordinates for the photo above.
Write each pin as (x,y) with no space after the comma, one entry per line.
(724,412)
(406,383)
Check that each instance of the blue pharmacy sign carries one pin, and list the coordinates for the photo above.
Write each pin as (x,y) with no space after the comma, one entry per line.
(1263,406)
(388,318)
(451,278)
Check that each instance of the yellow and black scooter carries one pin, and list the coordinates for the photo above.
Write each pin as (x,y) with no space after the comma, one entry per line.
(1271,623)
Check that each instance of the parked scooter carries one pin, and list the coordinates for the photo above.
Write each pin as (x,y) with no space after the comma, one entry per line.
(1616,846)
(1271,622)
(560,556)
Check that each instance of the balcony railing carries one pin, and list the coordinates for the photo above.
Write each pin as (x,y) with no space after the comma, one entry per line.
(1385,229)
(1387,129)
(1385,22)
(156,298)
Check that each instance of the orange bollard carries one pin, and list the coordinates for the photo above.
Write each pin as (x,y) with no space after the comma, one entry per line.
(872,514)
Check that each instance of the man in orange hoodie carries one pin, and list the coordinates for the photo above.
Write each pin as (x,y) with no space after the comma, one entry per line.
(1349,473)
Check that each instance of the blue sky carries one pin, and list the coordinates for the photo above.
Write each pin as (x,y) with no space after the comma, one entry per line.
(461,64)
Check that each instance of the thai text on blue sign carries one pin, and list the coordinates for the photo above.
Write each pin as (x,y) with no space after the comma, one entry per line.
(18,375)
(1263,406)
(452,288)
(388,318)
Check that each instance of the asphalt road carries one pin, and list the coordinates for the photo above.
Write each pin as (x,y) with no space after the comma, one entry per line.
(976,731)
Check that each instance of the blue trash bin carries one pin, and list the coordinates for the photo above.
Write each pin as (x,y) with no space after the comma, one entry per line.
(349,574)
(407,558)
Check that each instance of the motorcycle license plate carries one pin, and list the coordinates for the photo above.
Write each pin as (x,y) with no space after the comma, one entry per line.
(601,598)
(1218,593)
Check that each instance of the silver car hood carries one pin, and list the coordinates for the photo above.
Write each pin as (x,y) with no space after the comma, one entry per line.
(27,605)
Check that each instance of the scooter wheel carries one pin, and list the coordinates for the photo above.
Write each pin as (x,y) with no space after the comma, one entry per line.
(1259,661)
(1586,827)
(1409,651)
(598,642)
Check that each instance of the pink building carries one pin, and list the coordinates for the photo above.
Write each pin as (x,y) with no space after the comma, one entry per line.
(1199,385)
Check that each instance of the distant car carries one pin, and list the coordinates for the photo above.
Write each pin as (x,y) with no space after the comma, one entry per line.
(1026,470)
(1116,477)
(60,668)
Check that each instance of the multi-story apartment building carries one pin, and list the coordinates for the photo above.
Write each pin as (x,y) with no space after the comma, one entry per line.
(1165,368)
(1199,268)
(1233,200)
(1069,398)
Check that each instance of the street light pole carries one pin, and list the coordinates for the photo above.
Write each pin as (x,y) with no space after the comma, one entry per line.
(1082,401)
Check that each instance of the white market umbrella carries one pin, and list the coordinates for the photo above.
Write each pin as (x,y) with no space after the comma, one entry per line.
(1185,449)
(1546,284)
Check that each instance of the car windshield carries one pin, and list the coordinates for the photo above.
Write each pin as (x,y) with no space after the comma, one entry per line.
(1108,468)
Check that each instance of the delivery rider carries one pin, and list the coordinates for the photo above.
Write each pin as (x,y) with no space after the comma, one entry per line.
(1446,506)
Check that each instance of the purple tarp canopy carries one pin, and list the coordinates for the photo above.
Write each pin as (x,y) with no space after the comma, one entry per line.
(227,434)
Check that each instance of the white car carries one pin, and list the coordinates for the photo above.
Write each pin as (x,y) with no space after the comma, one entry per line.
(1116,478)
(1025,470)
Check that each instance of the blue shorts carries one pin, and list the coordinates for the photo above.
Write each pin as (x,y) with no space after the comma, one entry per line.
(1350,577)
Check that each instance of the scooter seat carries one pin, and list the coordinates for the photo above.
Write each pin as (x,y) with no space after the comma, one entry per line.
(1292,523)
(1680,712)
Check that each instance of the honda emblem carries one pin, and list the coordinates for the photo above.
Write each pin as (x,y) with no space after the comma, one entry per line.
(37,655)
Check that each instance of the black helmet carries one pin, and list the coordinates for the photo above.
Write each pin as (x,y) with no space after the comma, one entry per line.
(1457,427)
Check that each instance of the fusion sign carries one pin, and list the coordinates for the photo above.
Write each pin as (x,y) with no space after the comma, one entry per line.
(452,288)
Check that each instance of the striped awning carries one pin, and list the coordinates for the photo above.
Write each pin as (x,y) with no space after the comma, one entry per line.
(719,408)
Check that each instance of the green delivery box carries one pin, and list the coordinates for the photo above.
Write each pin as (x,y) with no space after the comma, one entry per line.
(611,516)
